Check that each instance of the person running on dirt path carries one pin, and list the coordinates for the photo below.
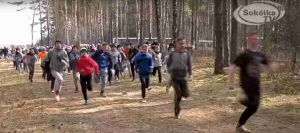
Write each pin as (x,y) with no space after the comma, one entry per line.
(42,55)
(132,53)
(115,67)
(157,56)
(168,76)
(31,59)
(251,62)
(127,61)
(86,66)
(179,65)
(102,58)
(73,57)
(69,50)
(58,62)
(123,60)
(25,60)
(18,59)
(144,66)
(50,78)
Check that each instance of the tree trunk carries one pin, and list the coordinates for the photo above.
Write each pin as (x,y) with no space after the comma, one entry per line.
(48,28)
(150,20)
(218,37)
(41,24)
(225,34)
(158,19)
(66,23)
(117,21)
(32,25)
(233,46)
(175,26)
(193,23)
(142,22)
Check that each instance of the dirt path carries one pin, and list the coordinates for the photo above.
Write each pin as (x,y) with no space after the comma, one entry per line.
(30,107)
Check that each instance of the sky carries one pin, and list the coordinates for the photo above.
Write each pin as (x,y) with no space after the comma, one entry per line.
(15,25)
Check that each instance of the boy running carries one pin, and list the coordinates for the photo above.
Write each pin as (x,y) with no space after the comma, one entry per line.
(144,66)
(86,66)
(31,59)
(179,65)
(102,58)
(58,62)
(73,57)
(157,56)
(250,61)
(18,58)
(42,55)
(169,80)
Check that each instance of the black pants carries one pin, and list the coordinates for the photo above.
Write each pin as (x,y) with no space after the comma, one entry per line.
(159,72)
(86,83)
(52,83)
(181,90)
(15,64)
(69,70)
(132,70)
(145,84)
(252,103)
(31,70)
(117,72)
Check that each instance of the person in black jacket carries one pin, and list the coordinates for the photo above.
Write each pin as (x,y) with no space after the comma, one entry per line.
(132,53)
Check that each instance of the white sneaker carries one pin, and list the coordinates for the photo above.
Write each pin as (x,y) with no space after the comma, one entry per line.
(242,129)
(183,99)
(144,101)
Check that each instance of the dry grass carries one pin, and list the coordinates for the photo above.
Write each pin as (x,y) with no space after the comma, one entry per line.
(30,107)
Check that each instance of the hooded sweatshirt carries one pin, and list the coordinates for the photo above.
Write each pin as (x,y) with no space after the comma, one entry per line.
(102,59)
(179,64)
(31,58)
(144,64)
(88,65)
(157,59)
(18,57)
(73,57)
(115,57)
(58,59)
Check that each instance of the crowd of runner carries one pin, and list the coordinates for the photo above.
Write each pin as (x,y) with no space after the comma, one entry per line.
(104,62)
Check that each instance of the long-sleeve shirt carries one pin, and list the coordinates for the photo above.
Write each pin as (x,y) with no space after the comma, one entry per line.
(179,64)
(87,66)
(144,64)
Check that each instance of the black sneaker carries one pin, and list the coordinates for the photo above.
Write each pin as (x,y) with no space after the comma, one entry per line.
(102,94)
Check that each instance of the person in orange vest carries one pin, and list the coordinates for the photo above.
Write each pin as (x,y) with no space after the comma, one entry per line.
(42,55)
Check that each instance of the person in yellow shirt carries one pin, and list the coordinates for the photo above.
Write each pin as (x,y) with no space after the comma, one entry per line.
(42,55)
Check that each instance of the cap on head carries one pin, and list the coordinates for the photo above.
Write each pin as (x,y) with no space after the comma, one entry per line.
(83,50)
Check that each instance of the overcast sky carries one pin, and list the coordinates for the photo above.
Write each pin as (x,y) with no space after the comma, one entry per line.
(15,25)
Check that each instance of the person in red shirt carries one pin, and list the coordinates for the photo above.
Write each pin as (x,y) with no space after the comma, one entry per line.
(86,66)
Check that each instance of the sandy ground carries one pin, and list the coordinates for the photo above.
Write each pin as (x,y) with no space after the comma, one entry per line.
(212,108)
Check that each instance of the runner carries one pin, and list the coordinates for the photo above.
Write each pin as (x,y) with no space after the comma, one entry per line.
(179,66)
(144,66)
(127,61)
(73,57)
(250,61)
(132,53)
(42,55)
(58,62)
(86,66)
(46,67)
(123,60)
(18,59)
(169,80)
(25,66)
(115,60)
(69,50)
(157,56)
(31,59)
(102,58)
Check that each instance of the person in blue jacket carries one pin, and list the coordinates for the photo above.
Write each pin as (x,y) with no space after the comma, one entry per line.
(102,58)
(144,67)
